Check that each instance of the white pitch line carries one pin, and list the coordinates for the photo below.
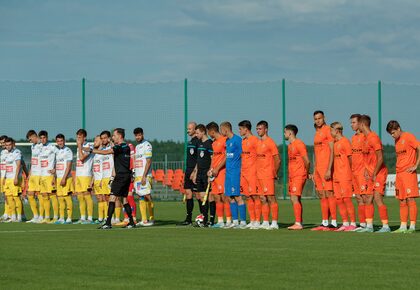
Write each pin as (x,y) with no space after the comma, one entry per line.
(80,230)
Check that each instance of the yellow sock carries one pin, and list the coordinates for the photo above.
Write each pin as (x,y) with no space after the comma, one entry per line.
(18,204)
(100,210)
(41,205)
(32,203)
(143,210)
(6,207)
(69,203)
(54,202)
(117,212)
(89,205)
(105,209)
(151,209)
(11,205)
(47,206)
(62,204)
(82,206)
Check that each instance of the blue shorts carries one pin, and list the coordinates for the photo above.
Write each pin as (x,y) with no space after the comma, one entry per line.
(233,183)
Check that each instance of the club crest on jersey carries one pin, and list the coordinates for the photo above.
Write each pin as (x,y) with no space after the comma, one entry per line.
(408,190)
(202,154)
(230,145)
(377,184)
(294,188)
(233,189)
(192,151)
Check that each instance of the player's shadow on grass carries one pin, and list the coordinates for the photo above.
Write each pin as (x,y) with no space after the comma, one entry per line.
(160,223)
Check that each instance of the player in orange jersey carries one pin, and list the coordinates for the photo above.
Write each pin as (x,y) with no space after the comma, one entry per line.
(249,173)
(407,148)
(322,176)
(268,163)
(342,177)
(298,172)
(358,167)
(375,174)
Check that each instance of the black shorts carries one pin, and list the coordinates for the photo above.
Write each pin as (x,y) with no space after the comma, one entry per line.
(202,181)
(188,184)
(121,185)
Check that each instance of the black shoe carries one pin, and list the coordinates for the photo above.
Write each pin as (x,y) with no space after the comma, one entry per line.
(130,226)
(185,223)
(105,227)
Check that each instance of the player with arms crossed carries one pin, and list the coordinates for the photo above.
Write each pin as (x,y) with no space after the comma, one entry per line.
(407,149)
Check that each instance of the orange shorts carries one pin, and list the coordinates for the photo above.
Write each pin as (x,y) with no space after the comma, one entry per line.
(266,187)
(406,185)
(296,185)
(218,184)
(343,189)
(320,182)
(377,186)
(248,185)
(359,184)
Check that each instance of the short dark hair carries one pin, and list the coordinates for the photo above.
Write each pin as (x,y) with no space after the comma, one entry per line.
(3,137)
(201,127)
(365,119)
(263,123)
(245,123)
(60,136)
(106,132)
(120,131)
(138,130)
(292,128)
(43,133)
(318,112)
(9,139)
(357,116)
(212,126)
(392,125)
(30,133)
(81,132)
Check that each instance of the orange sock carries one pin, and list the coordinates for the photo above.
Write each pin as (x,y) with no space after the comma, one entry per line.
(343,210)
(403,212)
(251,209)
(370,210)
(258,209)
(324,208)
(274,211)
(412,205)
(361,210)
(350,209)
(226,206)
(332,205)
(265,212)
(383,214)
(297,209)
(219,210)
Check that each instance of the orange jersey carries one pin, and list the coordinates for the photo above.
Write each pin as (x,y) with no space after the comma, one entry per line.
(249,154)
(342,169)
(405,148)
(296,151)
(357,160)
(322,149)
(219,151)
(372,144)
(266,150)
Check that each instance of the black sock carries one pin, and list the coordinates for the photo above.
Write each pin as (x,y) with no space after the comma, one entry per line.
(206,212)
(212,206)
(190,207)
(127,209)
(111,209)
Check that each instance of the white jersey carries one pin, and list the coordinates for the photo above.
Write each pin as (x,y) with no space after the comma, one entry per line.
(11,158)
(35,163)
(142,153)
(103,165)
(47,159)
(62,157)
(3,156)
(84,168)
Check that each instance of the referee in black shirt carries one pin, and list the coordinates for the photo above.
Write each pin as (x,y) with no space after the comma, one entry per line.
(122,180)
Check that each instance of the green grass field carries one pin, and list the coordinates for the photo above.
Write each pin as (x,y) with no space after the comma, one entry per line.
(39,256)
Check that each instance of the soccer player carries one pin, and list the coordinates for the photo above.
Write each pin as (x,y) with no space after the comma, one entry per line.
(407,149)
(6,215)
(268,164)
(47,180)
(249,173)
(322,176)
(204,155)
(65,186)
(143,177)
(122,180)
(217,172)
(358,167)
(83,181)
(12,183)
(298,172)
(189,185)
(342,178)
(34,178)
(375,174)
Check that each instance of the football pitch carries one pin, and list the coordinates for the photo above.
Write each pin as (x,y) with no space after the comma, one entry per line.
(39,256)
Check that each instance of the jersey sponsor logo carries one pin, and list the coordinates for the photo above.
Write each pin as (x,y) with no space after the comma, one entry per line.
(106,165)
(408,190)
(229,155)
(34,161)
(9,168)
(44,163)
(79,163)
(96,167)
(138,164)
(192,151)
(202,154)
(60,167)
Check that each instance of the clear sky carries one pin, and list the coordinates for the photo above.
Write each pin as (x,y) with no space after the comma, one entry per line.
(227,40)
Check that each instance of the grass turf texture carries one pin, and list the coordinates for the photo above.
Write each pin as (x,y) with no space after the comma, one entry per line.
(168,257)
